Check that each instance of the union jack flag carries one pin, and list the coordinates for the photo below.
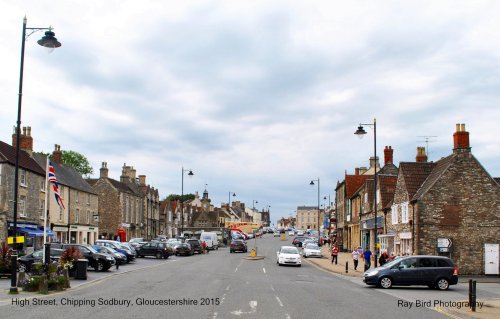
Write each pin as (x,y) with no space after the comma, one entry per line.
(55,185)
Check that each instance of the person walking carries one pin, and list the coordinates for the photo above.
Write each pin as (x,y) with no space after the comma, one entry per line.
(355,258)
(335,253)
(384,258)
(367,255)
(204,247)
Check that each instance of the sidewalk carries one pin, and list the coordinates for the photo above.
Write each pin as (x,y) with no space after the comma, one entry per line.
(490,309)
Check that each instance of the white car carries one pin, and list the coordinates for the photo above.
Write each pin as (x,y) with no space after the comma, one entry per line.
(300,232)
(311,250)
(288,255)
(291,233)
(276,234)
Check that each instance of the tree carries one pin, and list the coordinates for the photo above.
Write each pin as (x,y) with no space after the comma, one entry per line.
(174,197)
(78,161)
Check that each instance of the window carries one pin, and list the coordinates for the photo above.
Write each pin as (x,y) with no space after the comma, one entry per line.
(22,206)
(427,262)
(60,214)
(89,217)
(42,208)
(366,198)
(42,185)
(88,199)
(76,196)
(22,174)
(394,214)
(404,213)
(77,215)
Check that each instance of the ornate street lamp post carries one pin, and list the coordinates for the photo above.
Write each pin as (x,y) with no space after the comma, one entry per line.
(360,132)
(190,173)
(47,41)
(312,184)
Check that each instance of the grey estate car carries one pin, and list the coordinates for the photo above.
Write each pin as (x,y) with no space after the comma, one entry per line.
(432,271)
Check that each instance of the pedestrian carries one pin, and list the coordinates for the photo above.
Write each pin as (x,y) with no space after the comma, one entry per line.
(204,247)
(383,259)
(355,258)
(335,253)
(367,255)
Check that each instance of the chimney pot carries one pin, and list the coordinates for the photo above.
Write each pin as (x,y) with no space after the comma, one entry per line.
(461,139)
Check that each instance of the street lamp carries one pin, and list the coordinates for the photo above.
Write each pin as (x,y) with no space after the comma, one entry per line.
(48,41)
(253,205)
(190,173)
(312,184)
(360,132)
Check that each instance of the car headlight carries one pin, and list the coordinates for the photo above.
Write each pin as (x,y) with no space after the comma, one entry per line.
(109,258)
(371,273)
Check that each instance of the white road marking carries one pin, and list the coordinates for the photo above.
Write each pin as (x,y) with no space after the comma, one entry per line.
(264,269)
(253,309)
(272,288)
(227,288)
(236,269)
(288,316)
(279,301)
(215,315)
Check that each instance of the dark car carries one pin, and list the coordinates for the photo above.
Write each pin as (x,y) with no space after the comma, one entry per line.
(119,247)
(238,245)
(156,249)
(24,263)
(195,245)
(432,271)
(120,258)
(98,261)
(184,249)
(297,241)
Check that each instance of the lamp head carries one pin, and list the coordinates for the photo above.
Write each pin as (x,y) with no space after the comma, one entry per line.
(311,183)
(360,132)
(49,41)
(234,194)
(190,173)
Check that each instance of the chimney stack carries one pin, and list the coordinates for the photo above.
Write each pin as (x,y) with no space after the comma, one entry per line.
(421,155)
(104,170)
(57,154)
(388,151)
(142,180)
(356,171)
(26,141)
(461,139)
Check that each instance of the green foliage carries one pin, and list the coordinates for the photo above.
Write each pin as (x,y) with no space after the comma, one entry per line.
(78,161)
(70,256)
(173,197)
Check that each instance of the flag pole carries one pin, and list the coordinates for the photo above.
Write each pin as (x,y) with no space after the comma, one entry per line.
(46,208)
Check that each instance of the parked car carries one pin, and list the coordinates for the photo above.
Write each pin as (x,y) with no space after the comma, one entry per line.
(157,249)
(98,261)
(432,271)
(184,249)
(288,255)
(276,234)
(119,257)
(238,245)
(195,245)
(137,242)
(311,250)
(25,262)
(118,246)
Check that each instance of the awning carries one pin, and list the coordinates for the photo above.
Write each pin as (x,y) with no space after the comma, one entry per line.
(34,232)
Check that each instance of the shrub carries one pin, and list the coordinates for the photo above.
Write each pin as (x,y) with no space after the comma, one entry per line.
(70,256)
(5,257)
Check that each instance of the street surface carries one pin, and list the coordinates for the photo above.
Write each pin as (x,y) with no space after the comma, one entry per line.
(224,285)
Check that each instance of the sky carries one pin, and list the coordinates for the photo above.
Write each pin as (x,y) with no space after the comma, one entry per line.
(256,97)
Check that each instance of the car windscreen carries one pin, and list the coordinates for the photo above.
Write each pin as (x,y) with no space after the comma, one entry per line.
(289,251)
(312,246)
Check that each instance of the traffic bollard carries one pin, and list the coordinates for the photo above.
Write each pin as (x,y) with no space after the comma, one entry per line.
(346,267)
(474,296)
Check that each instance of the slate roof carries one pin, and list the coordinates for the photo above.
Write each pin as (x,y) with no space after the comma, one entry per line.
(66,175)
(116,184)
(414,175)
(440,167)
(8,155)
(389,169)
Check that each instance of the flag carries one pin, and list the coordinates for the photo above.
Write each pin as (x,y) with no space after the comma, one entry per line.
(55,185)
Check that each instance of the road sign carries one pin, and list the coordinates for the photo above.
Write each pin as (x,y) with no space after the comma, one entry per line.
(19,240)
(444,242)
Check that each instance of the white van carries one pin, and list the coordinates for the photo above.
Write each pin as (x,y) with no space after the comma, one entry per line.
(210,238)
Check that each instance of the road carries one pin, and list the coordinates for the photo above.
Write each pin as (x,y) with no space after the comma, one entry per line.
(224,285)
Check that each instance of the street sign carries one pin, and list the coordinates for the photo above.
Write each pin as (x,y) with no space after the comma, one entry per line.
(444,242)
(19,240)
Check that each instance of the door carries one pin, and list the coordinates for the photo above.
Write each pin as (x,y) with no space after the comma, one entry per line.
(491,259)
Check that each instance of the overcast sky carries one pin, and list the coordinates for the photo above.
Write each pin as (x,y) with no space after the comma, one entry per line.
(257,97)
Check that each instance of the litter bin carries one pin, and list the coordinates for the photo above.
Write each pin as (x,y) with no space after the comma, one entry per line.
(81,269)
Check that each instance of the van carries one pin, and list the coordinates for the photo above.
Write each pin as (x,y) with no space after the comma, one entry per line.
(210,238)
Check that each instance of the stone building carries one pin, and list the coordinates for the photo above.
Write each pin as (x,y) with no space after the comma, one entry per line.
(120,207)
(31,191)
(307,217)
(77,222)
(151,207)
(458,202)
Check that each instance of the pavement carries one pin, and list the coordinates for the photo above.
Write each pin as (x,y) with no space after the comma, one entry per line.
(345,267)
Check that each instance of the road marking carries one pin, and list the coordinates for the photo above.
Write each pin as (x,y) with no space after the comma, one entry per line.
(223,298)
(264,269)
(442,311)
(253,309)
(288,316)
(215,315)
(236,269)
(227,288)
(272,288)
(279,301)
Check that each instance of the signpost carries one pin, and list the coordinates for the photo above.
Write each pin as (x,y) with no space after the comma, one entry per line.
(444,245)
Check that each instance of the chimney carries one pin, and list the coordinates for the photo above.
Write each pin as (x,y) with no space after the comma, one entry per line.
(461,139)
(25,142)
(388,151)
(142,180)
(374,163)
(104,170)
(421,155)
(362,170)
(356,171)
(57,154)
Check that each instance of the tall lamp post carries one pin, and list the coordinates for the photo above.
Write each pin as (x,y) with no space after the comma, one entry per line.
(253,205)
(312,184)
(47,41)
(360,132)
(190,173)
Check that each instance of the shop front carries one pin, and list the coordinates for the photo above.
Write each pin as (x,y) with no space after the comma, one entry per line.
(33,236)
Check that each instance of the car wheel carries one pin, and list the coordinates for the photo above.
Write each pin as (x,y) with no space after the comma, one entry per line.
(166,256)
(385,282)
(158,255)
(443,284)
(231,251)
(99,266)
(22,267)
(142,256)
